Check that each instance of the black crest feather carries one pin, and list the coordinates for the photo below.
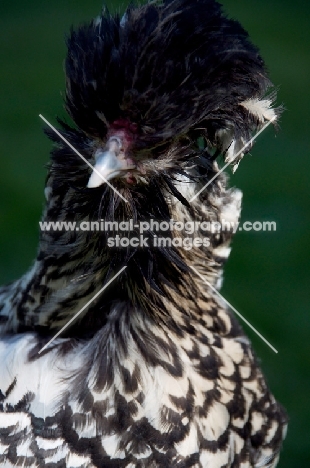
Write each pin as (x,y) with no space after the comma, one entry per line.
(206,67)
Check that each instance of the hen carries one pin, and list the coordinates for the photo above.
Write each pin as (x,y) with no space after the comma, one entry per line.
(153,371)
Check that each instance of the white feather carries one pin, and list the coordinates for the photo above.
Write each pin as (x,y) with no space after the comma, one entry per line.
(261,109)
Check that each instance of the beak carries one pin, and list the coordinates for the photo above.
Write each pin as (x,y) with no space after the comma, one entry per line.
(110,163)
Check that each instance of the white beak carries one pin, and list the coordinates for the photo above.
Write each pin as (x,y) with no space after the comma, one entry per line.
(109,164)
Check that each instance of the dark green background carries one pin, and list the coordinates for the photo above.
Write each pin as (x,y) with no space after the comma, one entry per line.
(267,275)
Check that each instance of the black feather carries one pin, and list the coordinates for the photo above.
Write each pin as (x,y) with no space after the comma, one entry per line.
(205,68)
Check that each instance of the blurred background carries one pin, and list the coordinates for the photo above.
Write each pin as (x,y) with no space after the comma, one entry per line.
(267,277)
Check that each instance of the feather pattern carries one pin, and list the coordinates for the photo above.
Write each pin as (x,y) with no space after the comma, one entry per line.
(156,372)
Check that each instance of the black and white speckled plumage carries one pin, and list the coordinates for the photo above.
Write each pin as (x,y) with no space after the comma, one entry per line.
(156,372)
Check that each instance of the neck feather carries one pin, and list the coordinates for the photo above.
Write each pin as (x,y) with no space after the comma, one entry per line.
(72,266)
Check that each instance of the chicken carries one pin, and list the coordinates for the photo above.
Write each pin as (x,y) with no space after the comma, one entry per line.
(115,348)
